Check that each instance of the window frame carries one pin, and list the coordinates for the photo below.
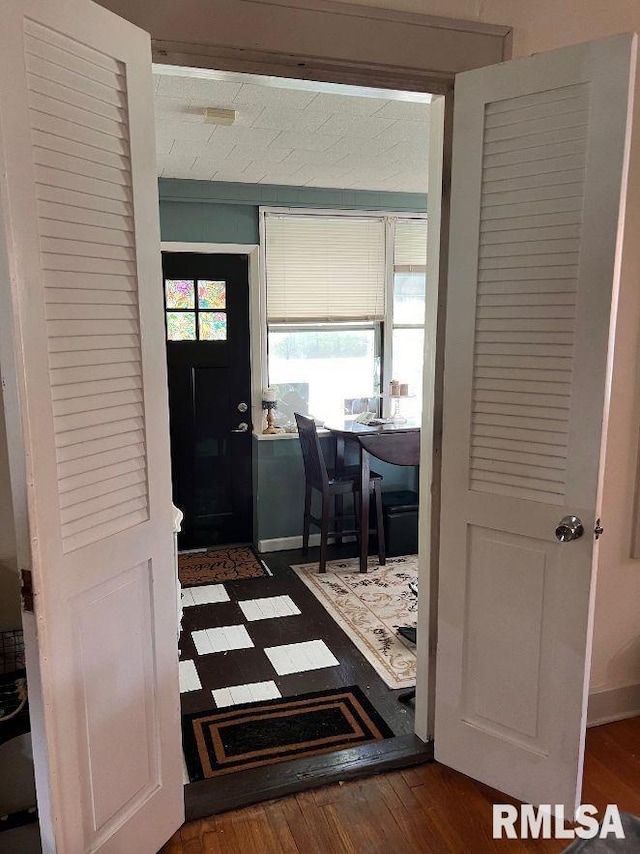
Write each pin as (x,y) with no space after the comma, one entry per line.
(376,326)
(196,311)
(390,218)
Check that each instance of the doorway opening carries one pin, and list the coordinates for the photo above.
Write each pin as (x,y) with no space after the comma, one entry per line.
(329,181)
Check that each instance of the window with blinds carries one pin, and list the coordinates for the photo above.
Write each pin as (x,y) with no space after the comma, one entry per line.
(324,268)
(410,251)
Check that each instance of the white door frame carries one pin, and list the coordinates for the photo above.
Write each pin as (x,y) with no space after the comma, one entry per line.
(217,58)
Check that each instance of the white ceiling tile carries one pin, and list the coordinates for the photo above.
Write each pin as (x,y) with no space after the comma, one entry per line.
(354,145)
(276,174)
(402,110)
(185,130)
(256,137)
(213,148)
(254,173)
(176,109)
(347,104)
(356,126)
(329,175)
(306,141)
(195,87)
(400,131)
(292,99)
(312,158)
(267,154)
(416,150)
(295,120)
(164,144)
(175,161)
(291,137)
(237,164)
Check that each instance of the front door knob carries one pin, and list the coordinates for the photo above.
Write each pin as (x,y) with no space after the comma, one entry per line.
(569,528)
(242,427)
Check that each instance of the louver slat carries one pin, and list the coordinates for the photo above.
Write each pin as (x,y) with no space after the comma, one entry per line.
(77,106)
(534,156)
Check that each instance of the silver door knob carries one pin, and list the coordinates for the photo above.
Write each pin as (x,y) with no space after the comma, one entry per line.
(569,528)
(241,428)
(242,407)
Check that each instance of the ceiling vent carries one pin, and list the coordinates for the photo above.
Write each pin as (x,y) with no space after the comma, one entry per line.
(216,116)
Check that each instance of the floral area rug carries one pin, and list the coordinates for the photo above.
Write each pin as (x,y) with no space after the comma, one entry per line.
(369,608)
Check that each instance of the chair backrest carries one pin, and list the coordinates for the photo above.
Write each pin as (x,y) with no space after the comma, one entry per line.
(315,470)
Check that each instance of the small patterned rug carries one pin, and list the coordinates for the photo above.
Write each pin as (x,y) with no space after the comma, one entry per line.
(217,565)
(370,608)
(256,734)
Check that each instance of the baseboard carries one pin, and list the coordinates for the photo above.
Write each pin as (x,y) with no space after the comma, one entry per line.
(282,544)
(615,704)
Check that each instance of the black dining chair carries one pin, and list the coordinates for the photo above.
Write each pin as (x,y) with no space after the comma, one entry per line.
(331,484)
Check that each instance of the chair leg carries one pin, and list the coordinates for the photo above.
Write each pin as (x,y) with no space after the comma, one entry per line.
(306,524)
(339,505)
(324,532)
(382,552)
(356,513)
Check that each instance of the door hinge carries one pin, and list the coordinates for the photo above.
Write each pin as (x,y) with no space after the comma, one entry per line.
(598,531)
(26,590)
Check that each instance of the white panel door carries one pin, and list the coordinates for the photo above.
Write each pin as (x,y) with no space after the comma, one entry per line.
(539,175)
(81,272)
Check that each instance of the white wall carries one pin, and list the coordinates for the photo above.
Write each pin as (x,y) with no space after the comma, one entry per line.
(540,25)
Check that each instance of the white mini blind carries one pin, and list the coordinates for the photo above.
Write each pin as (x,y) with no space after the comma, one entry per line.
(324,268)
(411,243)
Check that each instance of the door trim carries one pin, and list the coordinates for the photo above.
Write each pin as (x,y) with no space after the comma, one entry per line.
(318,68)
(257,339)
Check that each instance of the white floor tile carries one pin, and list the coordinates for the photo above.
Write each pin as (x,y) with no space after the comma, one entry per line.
(189,679)
(250,693)
(240,694)
(267,609)
(206,594)
(202,642)
(298,657)
(221,639)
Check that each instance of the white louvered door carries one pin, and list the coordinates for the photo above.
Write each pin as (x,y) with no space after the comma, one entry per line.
(82,324)
(539,177)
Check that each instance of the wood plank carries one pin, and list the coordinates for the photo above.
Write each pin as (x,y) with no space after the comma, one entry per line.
(299,775)
(424,809)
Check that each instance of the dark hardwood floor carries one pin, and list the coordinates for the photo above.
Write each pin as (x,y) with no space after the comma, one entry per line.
(429,809)
(253,785)
(251,665)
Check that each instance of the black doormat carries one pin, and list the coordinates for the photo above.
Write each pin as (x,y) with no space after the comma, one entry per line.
(217,565)
(257,734)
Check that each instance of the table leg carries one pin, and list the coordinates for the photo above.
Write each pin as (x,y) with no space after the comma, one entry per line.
(339,501)
(364,508)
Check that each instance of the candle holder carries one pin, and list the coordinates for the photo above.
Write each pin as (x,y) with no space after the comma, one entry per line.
(397,417)
(270,406)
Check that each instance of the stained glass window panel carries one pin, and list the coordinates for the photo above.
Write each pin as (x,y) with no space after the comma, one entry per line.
(180,293)
(212,294)
(181,326)
(213,325)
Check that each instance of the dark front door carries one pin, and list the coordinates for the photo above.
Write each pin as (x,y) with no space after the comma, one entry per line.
(207,317)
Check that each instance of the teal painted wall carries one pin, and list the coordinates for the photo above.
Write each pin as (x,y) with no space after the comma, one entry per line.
(205,212)
(279,476)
